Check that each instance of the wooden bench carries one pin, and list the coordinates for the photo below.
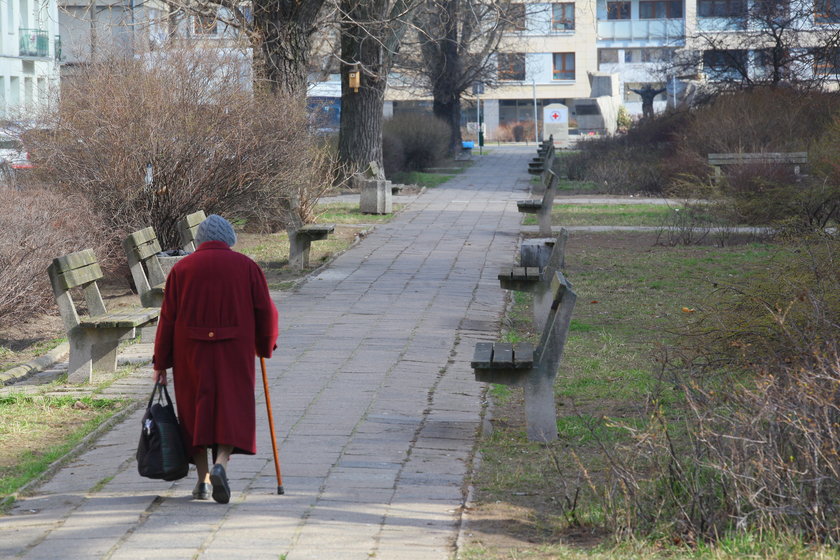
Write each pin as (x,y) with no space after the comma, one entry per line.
(534,369)
(544,160)
(790,158)
(542,208)
(300,240)
(187,228)
(141,249)
(95,337)
(537,279)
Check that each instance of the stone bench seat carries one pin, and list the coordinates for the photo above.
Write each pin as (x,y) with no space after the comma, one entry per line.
(300,241)
(316,232)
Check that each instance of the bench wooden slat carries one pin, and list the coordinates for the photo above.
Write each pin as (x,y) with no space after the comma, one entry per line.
(483,355)
(502,355)
(121,319)
(768,157)
(529,206)
(523,355)
(194,220)
(79,276)
(72,261)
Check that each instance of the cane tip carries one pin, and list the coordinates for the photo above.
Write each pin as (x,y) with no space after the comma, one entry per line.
(280,490)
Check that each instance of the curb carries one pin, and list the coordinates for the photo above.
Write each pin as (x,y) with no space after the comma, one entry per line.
(77,450)
(39,364)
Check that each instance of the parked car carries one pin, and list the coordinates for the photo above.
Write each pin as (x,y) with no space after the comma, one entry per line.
(13,153)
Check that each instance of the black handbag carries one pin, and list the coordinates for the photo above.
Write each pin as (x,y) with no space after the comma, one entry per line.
(161,453)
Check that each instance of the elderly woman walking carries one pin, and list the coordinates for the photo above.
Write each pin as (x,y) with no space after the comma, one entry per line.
(216,316)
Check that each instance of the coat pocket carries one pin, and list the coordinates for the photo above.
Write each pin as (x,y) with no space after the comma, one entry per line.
(212,334)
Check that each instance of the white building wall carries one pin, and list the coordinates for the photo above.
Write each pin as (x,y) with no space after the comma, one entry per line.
(28,65)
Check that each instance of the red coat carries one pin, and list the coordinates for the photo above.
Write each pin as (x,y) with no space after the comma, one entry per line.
(216,316)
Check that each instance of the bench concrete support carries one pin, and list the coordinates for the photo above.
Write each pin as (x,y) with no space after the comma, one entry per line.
(94,350)
(537,252)
(300,241)
(542,208)
(533,370)
(376,196)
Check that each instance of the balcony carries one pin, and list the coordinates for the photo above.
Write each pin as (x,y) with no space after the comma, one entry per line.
(640,29)
(34,42)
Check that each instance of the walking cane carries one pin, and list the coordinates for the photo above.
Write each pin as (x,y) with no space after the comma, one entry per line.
(271,427)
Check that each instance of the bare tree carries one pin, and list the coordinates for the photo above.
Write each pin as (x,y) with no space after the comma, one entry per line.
(763,43)
(371,32)
(457,43)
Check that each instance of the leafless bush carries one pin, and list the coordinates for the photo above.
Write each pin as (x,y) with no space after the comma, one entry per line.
(424,139)
(209,142)
(516,131)
(757,449)
(37,226)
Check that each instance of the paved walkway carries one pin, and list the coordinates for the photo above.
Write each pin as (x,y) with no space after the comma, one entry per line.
(374,401)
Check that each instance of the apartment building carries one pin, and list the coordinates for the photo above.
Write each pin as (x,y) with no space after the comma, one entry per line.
(555,47)
(29,50)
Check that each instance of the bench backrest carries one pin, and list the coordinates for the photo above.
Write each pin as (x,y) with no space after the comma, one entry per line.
(187,228)
(550,188)
(141,250)
(556,328)
(769,157)
(76,270)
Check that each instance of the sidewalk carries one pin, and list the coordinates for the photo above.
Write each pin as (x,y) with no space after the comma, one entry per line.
(374,402)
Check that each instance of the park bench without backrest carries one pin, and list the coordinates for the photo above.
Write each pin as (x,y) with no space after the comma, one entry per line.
(95,337)
(542,207)
(533,369)
(141,250)
(787,158)
(300,240)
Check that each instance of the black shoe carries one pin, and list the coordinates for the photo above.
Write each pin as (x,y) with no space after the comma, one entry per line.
(221,490)
(201,491)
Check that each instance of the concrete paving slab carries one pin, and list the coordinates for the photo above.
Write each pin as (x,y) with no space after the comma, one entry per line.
(375,405)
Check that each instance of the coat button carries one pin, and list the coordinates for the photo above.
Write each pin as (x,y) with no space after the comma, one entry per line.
(211,334)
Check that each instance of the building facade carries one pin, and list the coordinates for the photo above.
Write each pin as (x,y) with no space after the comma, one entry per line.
(30,48)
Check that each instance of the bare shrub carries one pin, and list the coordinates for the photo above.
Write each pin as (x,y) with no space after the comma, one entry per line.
(211,144)
(424,139)
(757,447)
(37,226)
(515,131)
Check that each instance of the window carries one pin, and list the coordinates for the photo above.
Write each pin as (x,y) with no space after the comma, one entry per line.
(660,9)
(722,8)
(618,10)
(826,61)
(511,66)
(563,16)
(205,25)
(725,64)
(516,16)
(564,66)
(827,11)
(607,56)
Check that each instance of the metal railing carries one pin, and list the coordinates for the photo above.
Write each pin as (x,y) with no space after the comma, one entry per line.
(34,42)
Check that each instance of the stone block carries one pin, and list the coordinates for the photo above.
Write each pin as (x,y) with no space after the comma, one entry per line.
(376,196)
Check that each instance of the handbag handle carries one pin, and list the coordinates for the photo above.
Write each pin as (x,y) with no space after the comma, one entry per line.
(161,391)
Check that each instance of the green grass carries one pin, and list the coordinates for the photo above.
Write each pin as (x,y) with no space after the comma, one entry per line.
(631,298)
(421,178)
(37,430)
(349,213)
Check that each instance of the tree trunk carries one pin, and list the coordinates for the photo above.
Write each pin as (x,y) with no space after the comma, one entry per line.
(360,132)
(448,110)
(281,44)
